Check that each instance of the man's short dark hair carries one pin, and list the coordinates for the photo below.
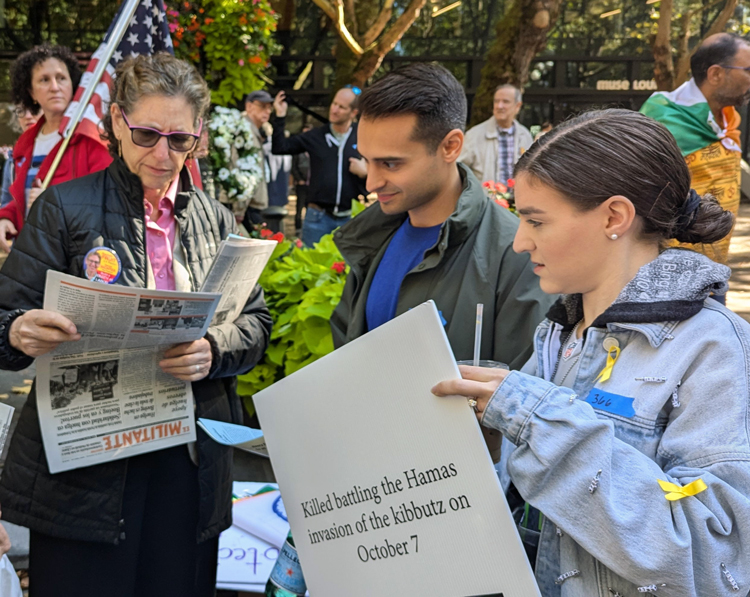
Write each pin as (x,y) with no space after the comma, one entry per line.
(427,90)
(718,51)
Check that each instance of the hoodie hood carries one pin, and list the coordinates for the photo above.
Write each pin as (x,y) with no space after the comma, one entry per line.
(672,287)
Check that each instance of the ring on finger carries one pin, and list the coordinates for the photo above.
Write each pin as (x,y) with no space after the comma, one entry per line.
(196,368)
(473,404)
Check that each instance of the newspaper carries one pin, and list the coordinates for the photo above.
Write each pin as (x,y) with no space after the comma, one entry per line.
(6,416)
(105,397)
(235,272)
(238,436)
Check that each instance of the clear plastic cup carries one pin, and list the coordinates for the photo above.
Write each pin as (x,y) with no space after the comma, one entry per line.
(492,437)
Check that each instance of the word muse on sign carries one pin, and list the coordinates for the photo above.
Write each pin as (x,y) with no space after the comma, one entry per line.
(625,85)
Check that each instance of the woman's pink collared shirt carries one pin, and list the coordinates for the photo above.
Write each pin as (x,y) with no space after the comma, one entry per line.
(160,238)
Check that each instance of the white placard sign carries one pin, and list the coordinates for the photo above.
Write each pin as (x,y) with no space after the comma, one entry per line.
(388,489)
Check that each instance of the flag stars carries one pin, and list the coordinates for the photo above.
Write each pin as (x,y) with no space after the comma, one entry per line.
(133,21)
(149,41)
(147,3)
(117,56)
(155,11)
(133,39)
(148,21)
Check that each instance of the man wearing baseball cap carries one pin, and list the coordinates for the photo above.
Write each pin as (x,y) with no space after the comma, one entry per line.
(258,106)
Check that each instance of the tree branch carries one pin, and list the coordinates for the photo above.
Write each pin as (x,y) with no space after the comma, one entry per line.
(327,8)
(721,20)
(662,48)
(336,13)
(351,17)
(696,11)
(377,27)
(397,30)
(684,55)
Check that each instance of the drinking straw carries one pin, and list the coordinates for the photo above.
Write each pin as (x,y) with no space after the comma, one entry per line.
(478,333)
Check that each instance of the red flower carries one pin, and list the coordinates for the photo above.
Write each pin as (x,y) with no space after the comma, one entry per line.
(208,21)
(500,187)
(511,183)
(298,243)
(503,203)
(278,237)
(266,233)
(339,267)
(487,184)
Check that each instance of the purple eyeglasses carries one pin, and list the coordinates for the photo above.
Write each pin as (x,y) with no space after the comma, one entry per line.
(745,68)
(144,136)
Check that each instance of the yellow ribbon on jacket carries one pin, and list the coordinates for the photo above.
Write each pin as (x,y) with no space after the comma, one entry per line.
(605,373)
(675,492)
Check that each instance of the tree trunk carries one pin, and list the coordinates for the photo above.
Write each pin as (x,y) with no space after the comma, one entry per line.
(520,35)
(667,75)
(374,37)
(662,49)
(346,64)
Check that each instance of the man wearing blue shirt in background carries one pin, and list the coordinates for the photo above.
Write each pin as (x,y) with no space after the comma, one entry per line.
(432,233)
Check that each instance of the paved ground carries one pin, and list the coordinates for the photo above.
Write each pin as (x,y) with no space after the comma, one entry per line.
(738,298)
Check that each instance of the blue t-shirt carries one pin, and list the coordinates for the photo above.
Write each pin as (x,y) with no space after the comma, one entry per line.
(405,251)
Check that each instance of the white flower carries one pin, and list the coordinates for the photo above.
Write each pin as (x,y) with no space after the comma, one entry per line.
(223,174)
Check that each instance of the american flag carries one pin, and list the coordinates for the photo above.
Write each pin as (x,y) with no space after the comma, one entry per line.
(147,33)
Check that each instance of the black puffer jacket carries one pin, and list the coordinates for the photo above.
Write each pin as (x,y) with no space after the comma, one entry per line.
(66,221)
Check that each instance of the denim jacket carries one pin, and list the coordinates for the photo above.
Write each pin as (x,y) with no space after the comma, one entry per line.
(675,409)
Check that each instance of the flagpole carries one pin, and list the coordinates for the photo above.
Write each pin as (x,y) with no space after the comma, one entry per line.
(119,30)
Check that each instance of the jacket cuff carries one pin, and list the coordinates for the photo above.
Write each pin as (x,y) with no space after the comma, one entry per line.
(10,358)
(516,400)
(215,355)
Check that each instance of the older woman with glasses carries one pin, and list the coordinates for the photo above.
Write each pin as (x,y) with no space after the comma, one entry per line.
(149,524)
(45,79)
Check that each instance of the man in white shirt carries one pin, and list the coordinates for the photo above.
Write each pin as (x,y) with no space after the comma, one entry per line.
(493,147)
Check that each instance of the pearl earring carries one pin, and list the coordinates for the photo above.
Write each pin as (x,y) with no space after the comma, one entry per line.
(613,237)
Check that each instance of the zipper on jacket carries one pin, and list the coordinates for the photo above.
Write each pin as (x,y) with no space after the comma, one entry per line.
(559,354)
(121,523)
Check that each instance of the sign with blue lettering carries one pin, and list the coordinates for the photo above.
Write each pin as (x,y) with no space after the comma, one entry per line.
(611,403)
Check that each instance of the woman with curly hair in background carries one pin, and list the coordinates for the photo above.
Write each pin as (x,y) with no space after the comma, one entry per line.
(46,77)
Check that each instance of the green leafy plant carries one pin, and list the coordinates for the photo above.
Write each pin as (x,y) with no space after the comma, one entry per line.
(302,288)
(229,41)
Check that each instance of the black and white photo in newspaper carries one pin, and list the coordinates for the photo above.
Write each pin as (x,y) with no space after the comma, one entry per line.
(105,397)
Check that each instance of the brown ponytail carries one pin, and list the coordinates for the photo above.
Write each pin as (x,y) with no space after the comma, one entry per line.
(603,153)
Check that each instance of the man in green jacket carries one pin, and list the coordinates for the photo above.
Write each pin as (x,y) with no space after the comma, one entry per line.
(432,234)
